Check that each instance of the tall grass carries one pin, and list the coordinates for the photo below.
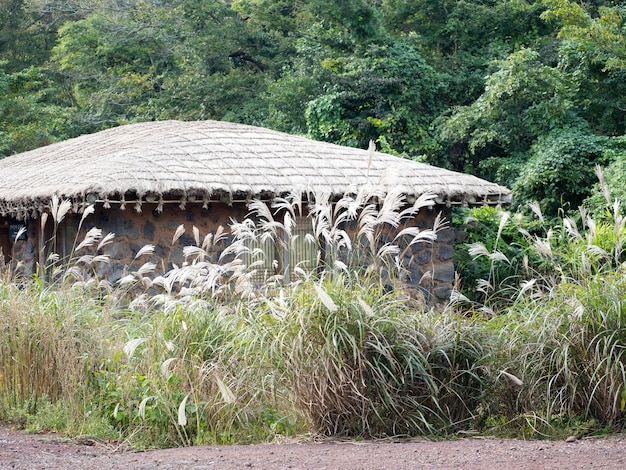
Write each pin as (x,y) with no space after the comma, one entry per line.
(569,351)
(572,353)
(561,329)
(49,341)
(204,354)
(356,361)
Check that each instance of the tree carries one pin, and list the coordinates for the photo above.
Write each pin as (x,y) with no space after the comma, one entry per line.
(224,61)
(461,39)
(24,41)
(560,170)
(593,54)
(313,39)
(387,94)
(116,64)
(523,100)
(32,112)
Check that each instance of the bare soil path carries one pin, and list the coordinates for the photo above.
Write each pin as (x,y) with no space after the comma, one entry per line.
(47,451)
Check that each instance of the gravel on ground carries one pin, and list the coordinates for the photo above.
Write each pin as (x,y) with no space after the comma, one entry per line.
(19,450)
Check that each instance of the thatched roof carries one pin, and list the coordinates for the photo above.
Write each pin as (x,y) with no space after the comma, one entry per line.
(196,161)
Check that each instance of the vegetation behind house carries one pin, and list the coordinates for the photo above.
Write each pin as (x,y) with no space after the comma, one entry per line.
(528,94)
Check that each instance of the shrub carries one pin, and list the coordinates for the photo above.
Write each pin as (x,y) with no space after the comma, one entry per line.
(358,362)
(567,348)
(559,171)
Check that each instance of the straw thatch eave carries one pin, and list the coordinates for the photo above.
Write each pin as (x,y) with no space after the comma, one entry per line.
(197,162)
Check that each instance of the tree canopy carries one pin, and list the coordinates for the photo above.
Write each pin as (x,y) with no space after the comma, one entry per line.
(527,93)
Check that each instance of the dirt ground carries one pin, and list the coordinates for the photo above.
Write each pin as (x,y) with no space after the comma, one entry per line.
(46,451)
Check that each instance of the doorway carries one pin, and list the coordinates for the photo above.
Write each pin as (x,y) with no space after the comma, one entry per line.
(5,241)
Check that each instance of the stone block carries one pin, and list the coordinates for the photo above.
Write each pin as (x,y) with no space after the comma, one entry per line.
(415,276)
(418,247)
(148,230)
(424,257)
(446,252)
(444,272)
(446,236)
(122,226)
(442,293)
(117,250)
(186,240)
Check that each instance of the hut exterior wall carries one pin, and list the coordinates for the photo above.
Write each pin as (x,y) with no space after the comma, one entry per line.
(437,257)
(429,266)
(134,229)
(26,249)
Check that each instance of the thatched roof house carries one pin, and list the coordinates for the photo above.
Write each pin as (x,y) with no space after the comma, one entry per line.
(171,172)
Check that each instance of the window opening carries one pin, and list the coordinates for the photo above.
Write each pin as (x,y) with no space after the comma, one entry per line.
(303,248)
(270,257)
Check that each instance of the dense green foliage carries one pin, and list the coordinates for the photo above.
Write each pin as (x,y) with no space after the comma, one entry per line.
(490,87)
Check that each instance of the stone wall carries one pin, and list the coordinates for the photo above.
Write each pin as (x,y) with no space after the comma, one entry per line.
(134,230)
(430,270)
(429,266)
